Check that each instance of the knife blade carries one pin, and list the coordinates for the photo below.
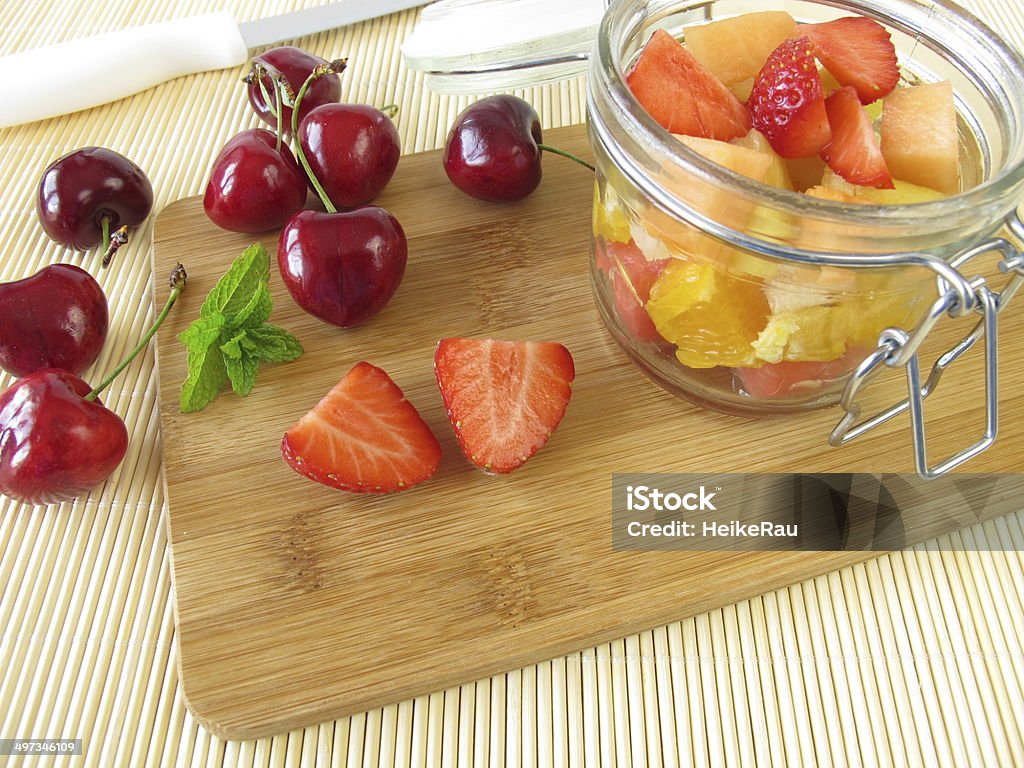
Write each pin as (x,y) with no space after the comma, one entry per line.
(90,71)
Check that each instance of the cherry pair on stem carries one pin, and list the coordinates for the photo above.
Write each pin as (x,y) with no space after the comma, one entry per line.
(57,440)
(341,267)
(352,150)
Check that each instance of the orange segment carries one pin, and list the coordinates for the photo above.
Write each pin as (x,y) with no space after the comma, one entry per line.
(610,219)
(811,333)
(711,318)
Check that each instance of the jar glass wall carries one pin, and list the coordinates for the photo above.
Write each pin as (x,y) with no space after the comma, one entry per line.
(751,298)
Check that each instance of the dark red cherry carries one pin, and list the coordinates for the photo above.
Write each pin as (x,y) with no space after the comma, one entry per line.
(54,444)
(254,186)
(82,188)
(491,152)
(352,148)
(57,318)
(342,267)
(296,65)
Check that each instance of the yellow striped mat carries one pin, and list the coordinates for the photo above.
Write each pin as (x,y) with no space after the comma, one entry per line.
(911,659)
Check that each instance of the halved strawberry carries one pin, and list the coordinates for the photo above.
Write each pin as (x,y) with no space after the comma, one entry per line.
(682,94)
(857,51)
(504,398)
(854,152)
(364,436)
(786,103)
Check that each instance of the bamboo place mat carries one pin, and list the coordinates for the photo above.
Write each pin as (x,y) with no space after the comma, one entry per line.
(913,658)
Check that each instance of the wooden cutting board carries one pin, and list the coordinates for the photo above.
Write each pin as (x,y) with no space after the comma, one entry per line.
(296,603)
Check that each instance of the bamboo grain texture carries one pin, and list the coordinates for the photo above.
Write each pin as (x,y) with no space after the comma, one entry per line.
(912,658)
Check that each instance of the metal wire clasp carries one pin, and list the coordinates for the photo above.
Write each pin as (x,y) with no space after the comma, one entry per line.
(958,297)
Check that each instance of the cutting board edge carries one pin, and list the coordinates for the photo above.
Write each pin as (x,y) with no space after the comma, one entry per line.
(264,725)
(221,725)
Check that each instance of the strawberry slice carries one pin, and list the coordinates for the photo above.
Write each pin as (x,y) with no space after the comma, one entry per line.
(504,398)
(854,152)
(786,103)
(857,51)
(364,436)
(682,94)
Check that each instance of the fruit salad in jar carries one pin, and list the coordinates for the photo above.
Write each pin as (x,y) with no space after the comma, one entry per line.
(821,110)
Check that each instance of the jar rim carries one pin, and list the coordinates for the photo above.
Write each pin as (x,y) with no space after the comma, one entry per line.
(607,69)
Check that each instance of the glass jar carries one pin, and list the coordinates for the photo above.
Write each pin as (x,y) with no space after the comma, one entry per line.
(752,299)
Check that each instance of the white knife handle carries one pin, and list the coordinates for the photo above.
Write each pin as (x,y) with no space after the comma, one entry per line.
(89,71)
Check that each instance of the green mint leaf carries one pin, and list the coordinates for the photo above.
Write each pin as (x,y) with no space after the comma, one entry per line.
(242,372)
(273,344)
(235,290)
(257,311)
(206,377)
(234,347)
(231,336)
(203,331)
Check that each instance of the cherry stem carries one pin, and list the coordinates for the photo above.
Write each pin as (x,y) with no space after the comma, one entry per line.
(390,110)
(274,105)
(178,279)
(319,71)
(280,113)
(280,82)
(563,153)
(258,73)
(116,240)
(105,224)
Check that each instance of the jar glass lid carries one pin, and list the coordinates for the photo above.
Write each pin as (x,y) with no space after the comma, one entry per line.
(473,46)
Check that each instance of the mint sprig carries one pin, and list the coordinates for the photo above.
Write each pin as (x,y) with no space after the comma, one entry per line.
(231,337)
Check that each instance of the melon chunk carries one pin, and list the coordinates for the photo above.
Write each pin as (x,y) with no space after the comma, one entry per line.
(744,160)
(919,136)
(735,49)
(778,172)
(713,200)
(805,172)
(830,193)
(742,89)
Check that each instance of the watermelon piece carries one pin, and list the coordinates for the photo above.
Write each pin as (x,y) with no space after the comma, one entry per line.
(682,94)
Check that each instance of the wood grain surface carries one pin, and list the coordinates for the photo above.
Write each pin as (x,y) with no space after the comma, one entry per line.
(296,603)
